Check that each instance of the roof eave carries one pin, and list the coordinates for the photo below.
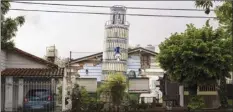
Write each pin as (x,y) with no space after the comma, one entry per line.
(101,53)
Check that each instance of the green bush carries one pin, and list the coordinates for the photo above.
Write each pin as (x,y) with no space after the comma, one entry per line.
(196,102)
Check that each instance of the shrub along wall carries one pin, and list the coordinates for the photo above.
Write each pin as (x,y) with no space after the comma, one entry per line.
(211,101)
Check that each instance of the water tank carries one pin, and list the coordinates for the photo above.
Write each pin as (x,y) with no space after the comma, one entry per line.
(51,51)
(150,47)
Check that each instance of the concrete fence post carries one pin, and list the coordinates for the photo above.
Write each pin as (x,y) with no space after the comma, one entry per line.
(9,94)
(181,93)
(20,92)
(64,91)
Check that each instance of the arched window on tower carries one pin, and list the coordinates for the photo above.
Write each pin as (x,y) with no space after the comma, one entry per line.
(119,17)
(113,19)
(123,19)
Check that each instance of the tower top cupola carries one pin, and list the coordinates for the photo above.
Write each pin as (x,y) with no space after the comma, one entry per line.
(118,14)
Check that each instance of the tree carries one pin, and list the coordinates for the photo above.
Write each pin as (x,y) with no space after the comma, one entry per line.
(196,56)
(206,4)
(81,100)
(9,26)
(115,88)
(223,13)
(224,16)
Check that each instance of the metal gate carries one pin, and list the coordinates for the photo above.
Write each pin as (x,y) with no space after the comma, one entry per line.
(42,96)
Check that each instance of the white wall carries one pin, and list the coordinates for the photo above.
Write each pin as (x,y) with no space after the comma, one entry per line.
(96,71)
(17,61)
(90,84)
(153,73)
(139,85)
(2,60)
(155,92)
(230,80)
(93,71)
(134,63)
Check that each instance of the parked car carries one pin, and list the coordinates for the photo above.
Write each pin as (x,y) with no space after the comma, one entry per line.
(39,99)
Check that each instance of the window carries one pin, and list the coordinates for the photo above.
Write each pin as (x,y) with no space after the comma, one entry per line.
(145,62)
(113,21)
(119,17)
(123,19)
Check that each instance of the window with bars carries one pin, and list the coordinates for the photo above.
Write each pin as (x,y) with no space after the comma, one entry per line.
(207,88)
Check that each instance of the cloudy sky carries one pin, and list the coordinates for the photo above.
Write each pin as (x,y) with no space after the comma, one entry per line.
(85,33)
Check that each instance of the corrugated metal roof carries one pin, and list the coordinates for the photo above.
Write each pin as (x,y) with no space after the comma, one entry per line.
(33,72)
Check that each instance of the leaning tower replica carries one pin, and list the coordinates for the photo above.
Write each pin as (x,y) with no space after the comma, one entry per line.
(115,52)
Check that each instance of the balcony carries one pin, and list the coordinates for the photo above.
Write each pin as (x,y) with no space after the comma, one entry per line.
(109,24)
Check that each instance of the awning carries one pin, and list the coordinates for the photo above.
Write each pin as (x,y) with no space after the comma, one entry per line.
(33,72)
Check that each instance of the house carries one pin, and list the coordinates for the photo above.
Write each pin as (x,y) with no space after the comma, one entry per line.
(22,71)
(141,63)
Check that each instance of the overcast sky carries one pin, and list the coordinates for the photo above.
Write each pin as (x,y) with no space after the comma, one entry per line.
(85,33)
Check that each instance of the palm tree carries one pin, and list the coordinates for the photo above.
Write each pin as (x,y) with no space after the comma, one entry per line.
(114,88)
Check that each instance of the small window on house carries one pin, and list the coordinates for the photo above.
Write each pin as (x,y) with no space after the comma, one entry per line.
(145,61)
(87,71)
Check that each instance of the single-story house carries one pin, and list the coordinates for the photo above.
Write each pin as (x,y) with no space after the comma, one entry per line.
(21,72)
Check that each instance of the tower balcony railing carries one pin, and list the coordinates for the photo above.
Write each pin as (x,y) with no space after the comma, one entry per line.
(118,23)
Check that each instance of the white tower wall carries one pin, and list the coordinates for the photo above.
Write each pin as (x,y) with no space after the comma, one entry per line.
(116,35)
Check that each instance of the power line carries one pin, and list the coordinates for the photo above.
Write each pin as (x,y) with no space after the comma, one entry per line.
(101,6)
(100,13)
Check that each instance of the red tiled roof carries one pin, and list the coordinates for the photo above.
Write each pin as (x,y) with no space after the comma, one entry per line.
(33,57)
(33,72)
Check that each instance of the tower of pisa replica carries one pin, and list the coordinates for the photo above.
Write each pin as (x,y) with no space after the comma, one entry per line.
(115,54)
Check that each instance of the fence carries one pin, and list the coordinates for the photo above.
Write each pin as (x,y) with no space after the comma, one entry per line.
(31,96)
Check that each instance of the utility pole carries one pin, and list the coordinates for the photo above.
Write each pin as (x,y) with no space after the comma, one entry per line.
(0,72)
(67,86)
